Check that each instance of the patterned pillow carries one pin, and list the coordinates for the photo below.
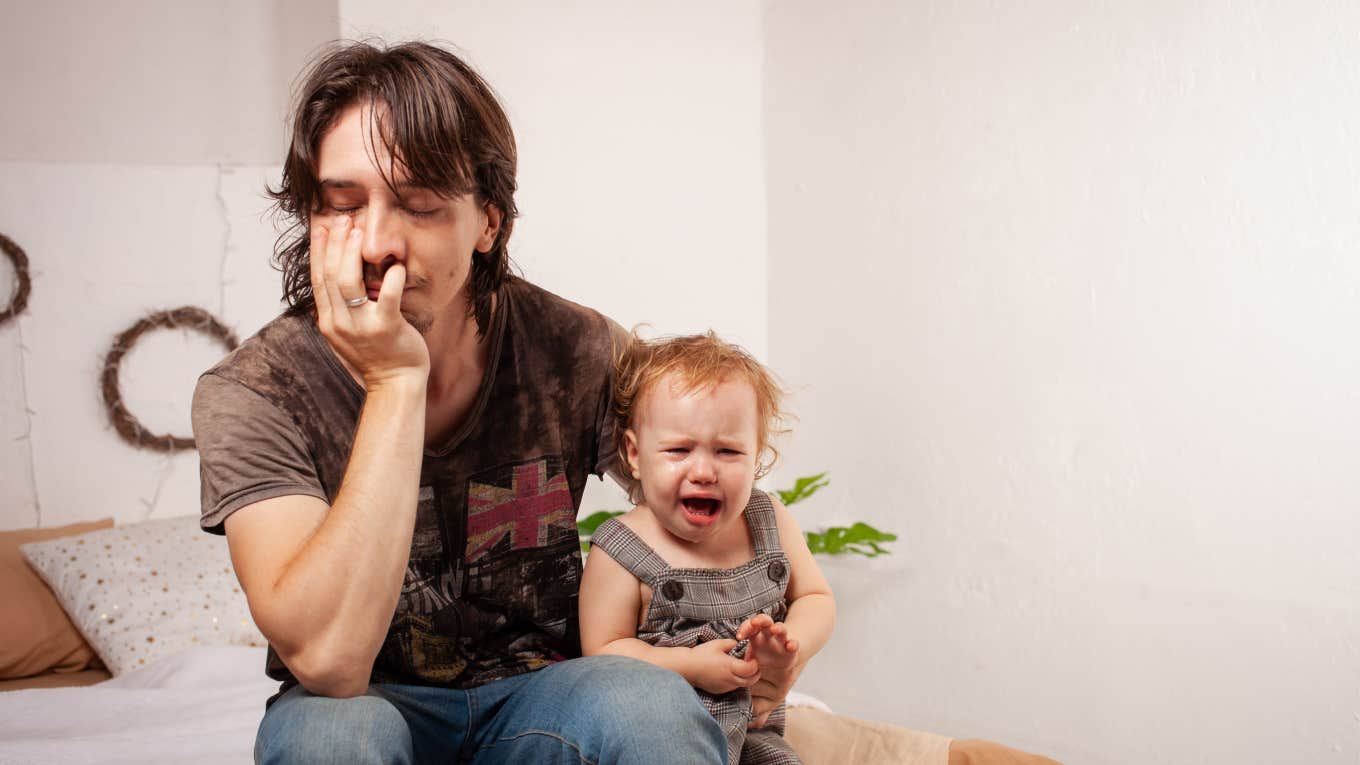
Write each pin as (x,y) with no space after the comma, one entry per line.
(147,590)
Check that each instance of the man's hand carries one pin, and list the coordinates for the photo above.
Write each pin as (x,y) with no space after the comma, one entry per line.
(713,670)
(372,337)
(776,654)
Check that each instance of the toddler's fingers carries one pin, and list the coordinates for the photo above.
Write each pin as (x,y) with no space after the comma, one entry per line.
(754,625)
(746,668)
(746,682)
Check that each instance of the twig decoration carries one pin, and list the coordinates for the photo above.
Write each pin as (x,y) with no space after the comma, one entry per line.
(132,431)
(20,260)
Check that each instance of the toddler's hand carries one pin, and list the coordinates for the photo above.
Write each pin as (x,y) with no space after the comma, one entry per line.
(770,643)
(717,672)
(776,653)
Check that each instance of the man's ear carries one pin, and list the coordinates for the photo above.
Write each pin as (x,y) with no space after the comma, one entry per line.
(493,227)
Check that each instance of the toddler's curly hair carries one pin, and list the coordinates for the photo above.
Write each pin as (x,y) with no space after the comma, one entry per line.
(698,361)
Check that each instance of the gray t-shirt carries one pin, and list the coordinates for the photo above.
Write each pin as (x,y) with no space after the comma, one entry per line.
(490,589)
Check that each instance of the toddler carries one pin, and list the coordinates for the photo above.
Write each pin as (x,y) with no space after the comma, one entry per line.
(706,576)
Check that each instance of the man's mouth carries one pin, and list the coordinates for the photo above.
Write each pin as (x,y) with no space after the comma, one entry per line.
(701,510)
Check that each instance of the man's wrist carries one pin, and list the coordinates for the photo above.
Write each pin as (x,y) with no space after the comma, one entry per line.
(407,382)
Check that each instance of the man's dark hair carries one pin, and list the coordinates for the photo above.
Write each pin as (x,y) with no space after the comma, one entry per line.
(439,122)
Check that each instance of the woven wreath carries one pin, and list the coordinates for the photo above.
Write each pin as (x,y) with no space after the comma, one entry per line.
(23,284)
(132,431)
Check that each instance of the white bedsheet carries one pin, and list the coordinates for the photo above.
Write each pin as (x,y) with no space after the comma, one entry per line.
(201,706)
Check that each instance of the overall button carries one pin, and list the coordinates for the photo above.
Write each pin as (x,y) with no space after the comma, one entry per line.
(776,570)
(673,590)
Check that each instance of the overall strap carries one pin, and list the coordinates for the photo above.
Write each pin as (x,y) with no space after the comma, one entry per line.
(629,550)
(760,520)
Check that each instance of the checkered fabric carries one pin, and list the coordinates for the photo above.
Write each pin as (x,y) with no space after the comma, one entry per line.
(693,605)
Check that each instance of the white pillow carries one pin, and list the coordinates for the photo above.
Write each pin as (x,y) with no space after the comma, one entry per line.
(147,590)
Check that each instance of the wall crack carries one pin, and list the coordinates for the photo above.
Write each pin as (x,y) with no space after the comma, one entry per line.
(163,472)
(222,280)
(28,423)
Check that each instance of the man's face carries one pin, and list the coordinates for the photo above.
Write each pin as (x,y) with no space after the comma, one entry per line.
(435,237)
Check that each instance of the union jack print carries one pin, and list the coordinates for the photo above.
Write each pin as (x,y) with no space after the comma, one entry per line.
(525,512)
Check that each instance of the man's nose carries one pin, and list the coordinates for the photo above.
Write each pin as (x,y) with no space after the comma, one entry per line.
(382,234)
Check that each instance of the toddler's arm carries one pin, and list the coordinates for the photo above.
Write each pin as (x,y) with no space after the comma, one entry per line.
(787,647)
(610,603)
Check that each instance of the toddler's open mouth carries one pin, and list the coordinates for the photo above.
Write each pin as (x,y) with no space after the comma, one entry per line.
(701,509)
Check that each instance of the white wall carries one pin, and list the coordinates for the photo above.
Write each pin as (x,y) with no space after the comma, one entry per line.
(153,81)
(1074,291)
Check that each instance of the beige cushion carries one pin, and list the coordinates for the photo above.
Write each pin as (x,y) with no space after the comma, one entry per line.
(56,680)
(822,738)
(35,634)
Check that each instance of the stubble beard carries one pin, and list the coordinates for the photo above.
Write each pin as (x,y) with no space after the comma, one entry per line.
(421,322)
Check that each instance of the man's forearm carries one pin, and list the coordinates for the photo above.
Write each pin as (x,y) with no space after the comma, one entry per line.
(338,592)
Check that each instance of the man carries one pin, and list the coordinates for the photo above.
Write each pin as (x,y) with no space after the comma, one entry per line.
(397,461)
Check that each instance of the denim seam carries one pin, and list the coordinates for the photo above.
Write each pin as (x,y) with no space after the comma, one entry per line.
(579,754)
(468,730)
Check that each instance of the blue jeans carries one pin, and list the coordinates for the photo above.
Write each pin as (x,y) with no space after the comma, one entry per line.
(601,709)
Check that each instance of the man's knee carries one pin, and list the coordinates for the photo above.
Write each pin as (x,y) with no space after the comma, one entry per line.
(304,728)
(632,699)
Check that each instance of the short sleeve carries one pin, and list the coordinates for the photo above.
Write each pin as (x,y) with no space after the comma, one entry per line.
(248,451)
(606,453)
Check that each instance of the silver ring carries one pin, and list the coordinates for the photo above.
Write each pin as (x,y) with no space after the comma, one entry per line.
(356,302)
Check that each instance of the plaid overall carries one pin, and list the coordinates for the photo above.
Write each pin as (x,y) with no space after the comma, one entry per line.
(693,605)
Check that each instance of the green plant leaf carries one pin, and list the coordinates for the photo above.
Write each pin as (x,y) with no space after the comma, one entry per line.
(587,526)
(803,488)
(859,539)
(591,522)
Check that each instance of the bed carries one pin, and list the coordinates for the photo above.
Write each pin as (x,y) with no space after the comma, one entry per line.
(172,667)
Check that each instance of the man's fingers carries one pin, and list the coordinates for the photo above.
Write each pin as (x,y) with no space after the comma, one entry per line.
(389,296)
(317,257)
(761,706)
(351,266)
(336,240)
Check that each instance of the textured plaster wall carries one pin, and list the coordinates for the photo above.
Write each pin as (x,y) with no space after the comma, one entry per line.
(1074,291)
